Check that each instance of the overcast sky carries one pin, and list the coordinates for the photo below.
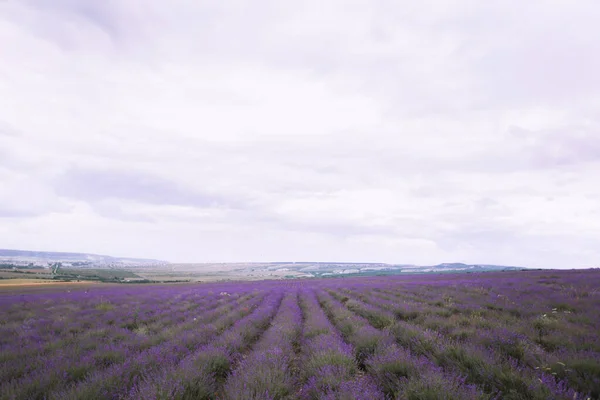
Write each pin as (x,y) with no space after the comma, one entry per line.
(376,130)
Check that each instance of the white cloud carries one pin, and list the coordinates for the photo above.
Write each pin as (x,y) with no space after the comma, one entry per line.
(368,131)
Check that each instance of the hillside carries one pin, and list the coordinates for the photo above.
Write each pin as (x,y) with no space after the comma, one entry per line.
(84,260)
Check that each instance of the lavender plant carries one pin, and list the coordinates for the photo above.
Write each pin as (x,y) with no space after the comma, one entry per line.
(506,335)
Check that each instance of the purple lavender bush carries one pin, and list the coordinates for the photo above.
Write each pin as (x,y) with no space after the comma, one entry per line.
(506,335)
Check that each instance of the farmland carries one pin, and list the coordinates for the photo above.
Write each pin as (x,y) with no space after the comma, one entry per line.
(498,335)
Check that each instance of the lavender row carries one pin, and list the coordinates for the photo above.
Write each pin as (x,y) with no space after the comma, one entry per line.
(398,372)
(270,370)
(201,374)
(520,349)
(518,335)
(327,364)
(480,365)
(93,334)
(111,364)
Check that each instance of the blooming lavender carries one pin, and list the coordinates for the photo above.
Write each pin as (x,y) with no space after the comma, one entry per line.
(513,335)
(268,371)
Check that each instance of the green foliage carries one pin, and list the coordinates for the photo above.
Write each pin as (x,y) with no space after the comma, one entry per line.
(562,307)
(390,372)
(543,325)
(584,373)
(433,387)
(78,372)
(405,315)
(107,358)
(104,306)
(314,332)
(330,358)
(215,362)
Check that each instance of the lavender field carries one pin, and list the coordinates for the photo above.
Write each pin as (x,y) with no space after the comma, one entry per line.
(511,335)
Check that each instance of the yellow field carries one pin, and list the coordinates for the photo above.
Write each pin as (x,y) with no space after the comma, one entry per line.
(36,282)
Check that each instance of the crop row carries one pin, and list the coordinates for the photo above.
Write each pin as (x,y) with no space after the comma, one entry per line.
(459,337)
(109,349)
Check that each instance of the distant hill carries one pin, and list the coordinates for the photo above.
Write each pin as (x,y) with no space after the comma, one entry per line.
(456,267)
(297,269)
(43,258)
(332,269)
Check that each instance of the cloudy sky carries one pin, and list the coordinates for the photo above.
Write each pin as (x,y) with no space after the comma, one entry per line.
(376,130)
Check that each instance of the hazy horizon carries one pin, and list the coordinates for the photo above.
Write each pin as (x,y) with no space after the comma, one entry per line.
(340,261)
(367,131)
